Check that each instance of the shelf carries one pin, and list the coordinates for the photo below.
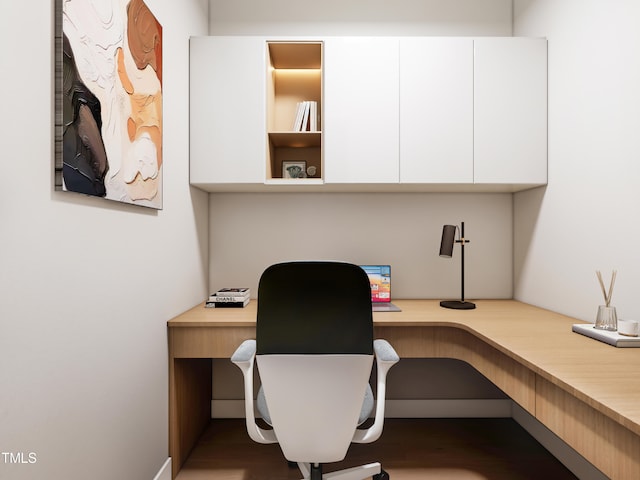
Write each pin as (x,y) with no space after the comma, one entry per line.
(294,181)
(298,55)
(295,139)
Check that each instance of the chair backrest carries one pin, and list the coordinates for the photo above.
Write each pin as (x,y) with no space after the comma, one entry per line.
(314,307)
(314,354)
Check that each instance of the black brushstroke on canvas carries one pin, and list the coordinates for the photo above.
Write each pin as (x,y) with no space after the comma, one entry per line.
(84,163)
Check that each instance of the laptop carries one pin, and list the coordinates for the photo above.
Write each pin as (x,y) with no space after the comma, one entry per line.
(380,281)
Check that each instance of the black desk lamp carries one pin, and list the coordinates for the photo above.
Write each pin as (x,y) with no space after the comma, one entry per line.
(446,250)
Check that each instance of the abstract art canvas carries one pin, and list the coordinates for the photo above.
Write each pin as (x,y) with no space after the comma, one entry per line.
(109,101)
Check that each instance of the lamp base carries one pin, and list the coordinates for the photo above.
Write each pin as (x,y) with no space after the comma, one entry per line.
(457,304)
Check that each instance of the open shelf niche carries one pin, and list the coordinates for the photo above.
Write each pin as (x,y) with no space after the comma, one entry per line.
(294,76)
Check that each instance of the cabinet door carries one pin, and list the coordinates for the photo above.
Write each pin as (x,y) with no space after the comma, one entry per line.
(227,101)
(510,110)
(361,119)
(436,110)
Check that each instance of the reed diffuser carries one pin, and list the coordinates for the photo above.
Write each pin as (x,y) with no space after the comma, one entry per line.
(607,318)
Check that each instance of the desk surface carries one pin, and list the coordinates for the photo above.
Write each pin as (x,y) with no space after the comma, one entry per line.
(604,377)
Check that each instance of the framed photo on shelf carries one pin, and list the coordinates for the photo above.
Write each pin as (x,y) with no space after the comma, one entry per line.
(294,169)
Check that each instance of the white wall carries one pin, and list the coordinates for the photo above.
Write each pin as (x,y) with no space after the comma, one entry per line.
(361,17)
(87,285)
(587,217)
(249,232)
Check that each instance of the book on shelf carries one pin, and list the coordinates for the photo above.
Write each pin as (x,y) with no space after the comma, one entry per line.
(297,123)
(306,118)
(313,116)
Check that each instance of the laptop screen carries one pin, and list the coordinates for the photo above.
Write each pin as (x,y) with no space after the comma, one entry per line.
(380,281)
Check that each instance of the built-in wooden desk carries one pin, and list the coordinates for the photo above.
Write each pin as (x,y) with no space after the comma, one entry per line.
(586,392)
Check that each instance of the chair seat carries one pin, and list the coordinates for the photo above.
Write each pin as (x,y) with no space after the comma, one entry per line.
(365,411)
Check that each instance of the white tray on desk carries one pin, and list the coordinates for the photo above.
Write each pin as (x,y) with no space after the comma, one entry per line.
(612,338)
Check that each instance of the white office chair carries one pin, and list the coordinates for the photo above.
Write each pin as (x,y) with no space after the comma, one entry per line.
(314,350)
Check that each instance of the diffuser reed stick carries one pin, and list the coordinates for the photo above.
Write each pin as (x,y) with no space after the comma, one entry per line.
(607,295)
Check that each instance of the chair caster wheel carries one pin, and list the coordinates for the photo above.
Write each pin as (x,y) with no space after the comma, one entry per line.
(381,476)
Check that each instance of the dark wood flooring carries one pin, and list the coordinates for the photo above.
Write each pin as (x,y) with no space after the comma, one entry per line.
(409,449)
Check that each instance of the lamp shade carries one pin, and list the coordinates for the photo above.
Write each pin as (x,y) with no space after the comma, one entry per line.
(448,239)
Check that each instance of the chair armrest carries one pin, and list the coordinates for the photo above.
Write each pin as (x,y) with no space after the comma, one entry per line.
(386,357)
(385,352)
(244,353)
(244,357)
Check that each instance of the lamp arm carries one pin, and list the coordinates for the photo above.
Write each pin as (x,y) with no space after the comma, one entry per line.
(462,242)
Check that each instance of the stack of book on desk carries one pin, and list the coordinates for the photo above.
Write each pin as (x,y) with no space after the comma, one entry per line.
(612,338)
(229,298)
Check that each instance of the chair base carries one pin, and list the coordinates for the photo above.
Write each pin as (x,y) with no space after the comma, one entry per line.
(314,472)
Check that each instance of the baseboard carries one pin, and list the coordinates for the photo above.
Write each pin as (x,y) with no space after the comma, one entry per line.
(472,408)
(228,409)
(165,472)
(571,459)
(469,408)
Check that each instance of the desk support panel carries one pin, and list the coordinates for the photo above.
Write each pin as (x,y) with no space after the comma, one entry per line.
(517,381)
(189,406)
(609,446)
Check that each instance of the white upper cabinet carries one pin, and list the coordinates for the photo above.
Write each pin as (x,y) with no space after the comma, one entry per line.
(391,114)
(436,110)
(510,111)
(361,117)
(227,102)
